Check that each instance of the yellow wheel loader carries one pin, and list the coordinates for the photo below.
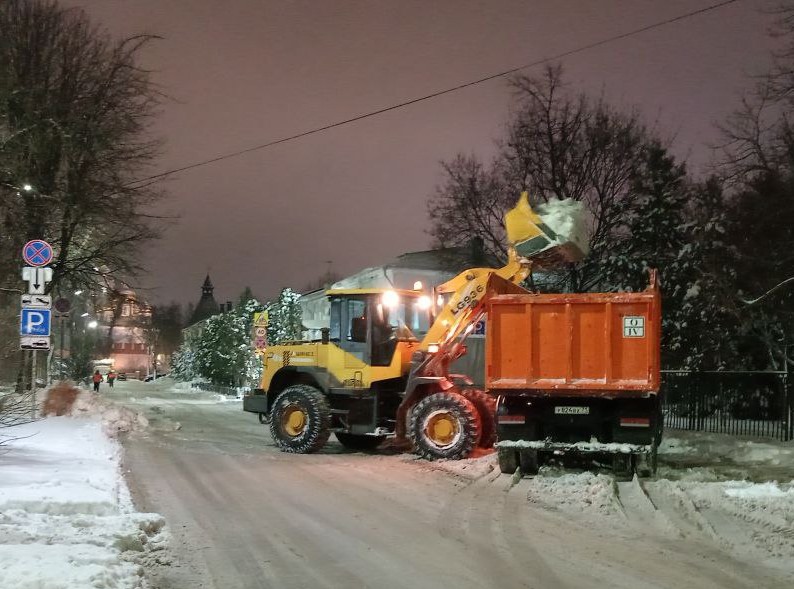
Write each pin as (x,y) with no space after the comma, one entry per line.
(382,366)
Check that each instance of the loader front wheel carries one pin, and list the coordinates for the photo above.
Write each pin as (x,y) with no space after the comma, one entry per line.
(444,425)
(301,420)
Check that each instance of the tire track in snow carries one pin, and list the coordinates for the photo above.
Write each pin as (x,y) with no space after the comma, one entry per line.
(484,516)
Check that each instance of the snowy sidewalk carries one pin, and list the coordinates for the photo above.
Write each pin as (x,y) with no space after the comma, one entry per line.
(66,518)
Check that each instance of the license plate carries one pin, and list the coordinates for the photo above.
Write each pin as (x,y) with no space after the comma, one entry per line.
(563,410)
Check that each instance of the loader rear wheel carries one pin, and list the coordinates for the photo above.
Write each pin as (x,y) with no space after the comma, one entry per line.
(444,425)
(359,442)
(301,420)
(486,407)
(508,460)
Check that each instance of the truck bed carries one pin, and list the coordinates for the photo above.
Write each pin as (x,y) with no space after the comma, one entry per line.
(574,344)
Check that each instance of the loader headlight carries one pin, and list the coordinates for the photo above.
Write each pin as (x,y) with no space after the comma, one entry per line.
(390,299)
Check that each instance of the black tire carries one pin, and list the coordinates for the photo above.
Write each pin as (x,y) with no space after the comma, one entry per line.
(359,442)
(622,465)
(508,460)
(444,425)
(646,464)
(528,460)
(305,433)
(486,407)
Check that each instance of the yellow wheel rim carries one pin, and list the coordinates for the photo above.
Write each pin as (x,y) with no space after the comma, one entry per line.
(294,421)
(442,428)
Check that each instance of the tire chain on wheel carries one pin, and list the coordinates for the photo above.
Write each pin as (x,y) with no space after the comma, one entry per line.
(318,414)
(486,407)
(459,407)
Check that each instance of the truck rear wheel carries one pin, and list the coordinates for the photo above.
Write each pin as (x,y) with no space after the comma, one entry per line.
(508,460)
(444,425)
(529,461)
(359,442)
(646,463)
(301,420)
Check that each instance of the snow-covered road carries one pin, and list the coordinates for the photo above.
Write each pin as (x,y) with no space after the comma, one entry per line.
(244,515)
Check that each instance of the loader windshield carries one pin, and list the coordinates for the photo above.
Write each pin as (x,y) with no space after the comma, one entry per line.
(405,317)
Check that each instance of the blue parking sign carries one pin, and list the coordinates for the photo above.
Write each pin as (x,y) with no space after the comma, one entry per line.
(34,322)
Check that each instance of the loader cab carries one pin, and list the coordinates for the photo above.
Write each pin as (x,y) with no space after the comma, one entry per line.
(369,324)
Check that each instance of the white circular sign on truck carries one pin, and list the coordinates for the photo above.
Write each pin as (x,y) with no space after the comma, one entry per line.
(633,326)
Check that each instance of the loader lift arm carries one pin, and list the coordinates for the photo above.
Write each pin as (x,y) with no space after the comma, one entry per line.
(529,238)
(444,342)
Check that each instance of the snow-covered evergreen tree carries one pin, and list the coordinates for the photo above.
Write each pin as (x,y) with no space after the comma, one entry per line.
(709,304)
(222,352)
(284,318)
(654,234)
(183,362)
(678,228)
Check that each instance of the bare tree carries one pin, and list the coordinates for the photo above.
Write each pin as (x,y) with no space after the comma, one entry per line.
(471,201)
(75,111)
(558,145)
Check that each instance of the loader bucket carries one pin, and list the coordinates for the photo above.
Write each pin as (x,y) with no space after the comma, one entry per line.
(553,235)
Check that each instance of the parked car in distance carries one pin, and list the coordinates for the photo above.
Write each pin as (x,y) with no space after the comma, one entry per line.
(151,377)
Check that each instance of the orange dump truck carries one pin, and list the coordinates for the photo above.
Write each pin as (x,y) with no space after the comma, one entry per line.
(576,374)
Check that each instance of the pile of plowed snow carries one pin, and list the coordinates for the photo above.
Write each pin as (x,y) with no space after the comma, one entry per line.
(115,418)
(66,517)
(575,493)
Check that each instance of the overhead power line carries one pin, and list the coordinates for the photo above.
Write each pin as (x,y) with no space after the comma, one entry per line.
(438,93)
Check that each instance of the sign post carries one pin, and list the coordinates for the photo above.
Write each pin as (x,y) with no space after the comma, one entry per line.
(35,316)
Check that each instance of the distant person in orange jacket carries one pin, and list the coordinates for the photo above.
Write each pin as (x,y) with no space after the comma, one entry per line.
(111,378)
(97,379)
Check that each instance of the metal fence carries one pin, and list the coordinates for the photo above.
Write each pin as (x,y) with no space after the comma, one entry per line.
(759,404)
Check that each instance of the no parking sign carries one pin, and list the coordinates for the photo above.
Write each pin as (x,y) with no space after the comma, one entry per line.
(37,252)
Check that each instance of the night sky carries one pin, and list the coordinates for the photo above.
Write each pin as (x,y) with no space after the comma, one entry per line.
(244,72)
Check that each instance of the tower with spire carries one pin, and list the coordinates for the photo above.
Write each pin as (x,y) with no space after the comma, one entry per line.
(207,305)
